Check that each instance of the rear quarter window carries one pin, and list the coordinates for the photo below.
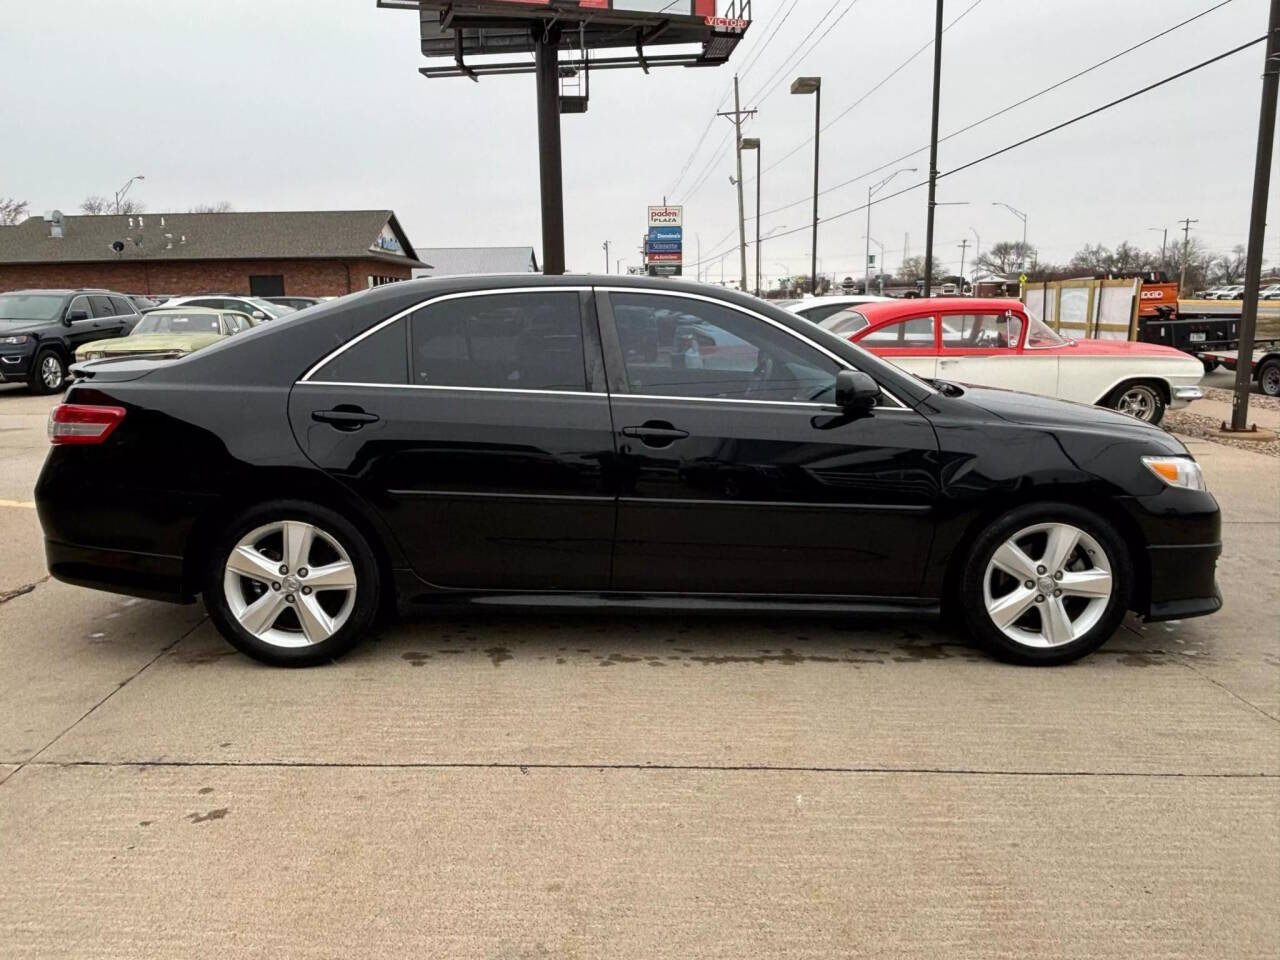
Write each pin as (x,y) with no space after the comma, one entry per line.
(381,357)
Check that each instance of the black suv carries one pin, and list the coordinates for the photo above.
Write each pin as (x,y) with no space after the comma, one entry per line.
(40,330)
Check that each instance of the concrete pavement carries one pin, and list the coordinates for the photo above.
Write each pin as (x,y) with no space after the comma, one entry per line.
(504,786)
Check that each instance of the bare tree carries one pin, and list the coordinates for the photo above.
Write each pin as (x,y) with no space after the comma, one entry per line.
(912,269)
(1006,257)
(96,205)
(12,211)
(221,206)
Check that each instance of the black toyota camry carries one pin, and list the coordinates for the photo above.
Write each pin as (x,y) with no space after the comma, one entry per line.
(515,440)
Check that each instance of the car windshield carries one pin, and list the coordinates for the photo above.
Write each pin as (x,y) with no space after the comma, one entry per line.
(1040,334)
(28,306)
(846,321)
(177,323)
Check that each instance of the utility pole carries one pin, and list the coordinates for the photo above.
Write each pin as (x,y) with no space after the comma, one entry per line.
(1164,241)
(933,151)
(963,245)
(1186,251)
(1257,221)
(605,247)
(737,115)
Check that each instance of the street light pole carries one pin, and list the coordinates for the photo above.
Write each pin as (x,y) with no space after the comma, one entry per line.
(977,247)
(125,189)
(753,143)
(872,191)
(802,86)
(605,247)
(1164,239)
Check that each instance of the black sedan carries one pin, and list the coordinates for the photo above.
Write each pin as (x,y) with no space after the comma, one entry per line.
(500,440)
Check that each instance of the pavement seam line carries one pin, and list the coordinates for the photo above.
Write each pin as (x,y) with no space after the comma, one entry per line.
(652,767)
(1222,686)
(7,595)
(120,686)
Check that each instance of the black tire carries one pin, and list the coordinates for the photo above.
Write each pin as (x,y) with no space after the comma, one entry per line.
(1139,394)
(360,617)
(36,381)
(972,599)
(1209,365)
(1269,378)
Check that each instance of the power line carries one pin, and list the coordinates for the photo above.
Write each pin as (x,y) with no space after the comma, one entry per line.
(1003,110)
(834,23)
(765,45)
(1036,136)
(792,52)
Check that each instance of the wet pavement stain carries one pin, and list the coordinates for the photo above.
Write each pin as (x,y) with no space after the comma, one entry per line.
(217,814)
(1139,660)
(145,823)
(415,657)
(204,790)
(207,656)
(497,654)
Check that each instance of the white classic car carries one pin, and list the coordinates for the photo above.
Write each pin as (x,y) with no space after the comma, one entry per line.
(996,343)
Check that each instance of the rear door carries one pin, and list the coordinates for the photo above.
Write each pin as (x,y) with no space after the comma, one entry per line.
(736,478)
(478,425)
(910,343)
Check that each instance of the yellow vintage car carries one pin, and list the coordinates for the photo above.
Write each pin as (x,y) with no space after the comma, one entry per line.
(174,332)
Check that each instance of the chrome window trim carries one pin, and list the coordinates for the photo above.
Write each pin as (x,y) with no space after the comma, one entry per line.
(440,298)
(808,404)
(436,386)
(750,313)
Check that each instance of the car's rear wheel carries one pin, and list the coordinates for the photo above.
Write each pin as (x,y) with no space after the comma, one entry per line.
(292,583)
(1269,378)
(1143,401)
(1046,584)
(48,372)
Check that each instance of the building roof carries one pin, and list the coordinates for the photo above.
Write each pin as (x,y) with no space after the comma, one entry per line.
(463,261)
(283,235)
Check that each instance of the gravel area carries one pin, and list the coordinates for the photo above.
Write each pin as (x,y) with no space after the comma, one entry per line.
(1257,400)
(1206,428)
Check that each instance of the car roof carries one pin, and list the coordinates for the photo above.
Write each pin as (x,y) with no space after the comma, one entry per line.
(63,292)
(212,311)
(882,310)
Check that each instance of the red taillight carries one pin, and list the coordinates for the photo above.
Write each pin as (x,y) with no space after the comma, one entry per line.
(82,423)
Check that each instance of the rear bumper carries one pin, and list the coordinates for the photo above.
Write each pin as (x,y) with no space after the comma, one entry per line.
(154,576)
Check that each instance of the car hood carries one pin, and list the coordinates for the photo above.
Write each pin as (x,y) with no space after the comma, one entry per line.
(1033,410)
(17,329)
(184,342)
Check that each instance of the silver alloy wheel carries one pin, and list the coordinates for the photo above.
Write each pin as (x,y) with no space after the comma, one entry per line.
(51,371)
(1138,401)
(276,593)
(1047,585)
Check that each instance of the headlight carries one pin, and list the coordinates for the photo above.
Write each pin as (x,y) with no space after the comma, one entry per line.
(94,355)
(23,338)
(1176,471)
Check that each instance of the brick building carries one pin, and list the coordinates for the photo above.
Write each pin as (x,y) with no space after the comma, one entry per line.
(304,253)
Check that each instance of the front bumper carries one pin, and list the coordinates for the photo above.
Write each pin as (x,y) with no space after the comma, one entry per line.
(14,366)
(1183,581)
(1182,532)
(1180,396)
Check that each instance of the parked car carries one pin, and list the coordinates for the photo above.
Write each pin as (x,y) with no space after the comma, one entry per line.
(255,307)
(297,303)
(817,309)
(41,329)
(1233,292)
(997,343)
(143,303)
(1270,292)
(494,440)
(169,332)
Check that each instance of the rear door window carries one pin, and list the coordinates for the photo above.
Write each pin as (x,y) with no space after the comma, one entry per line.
(512,341)
(102,306)
(122,307)
(913,334)
(981,331)
(381,357)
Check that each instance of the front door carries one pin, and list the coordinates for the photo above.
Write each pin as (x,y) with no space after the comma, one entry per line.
(985,349)
(910,343)
(736,477)
(478,426)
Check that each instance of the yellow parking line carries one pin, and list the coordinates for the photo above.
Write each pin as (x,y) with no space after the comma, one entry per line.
(25,504)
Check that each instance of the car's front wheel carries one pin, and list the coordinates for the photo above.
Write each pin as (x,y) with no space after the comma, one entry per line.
(1141,400)
(292,583)
(48,372)
(1046,584)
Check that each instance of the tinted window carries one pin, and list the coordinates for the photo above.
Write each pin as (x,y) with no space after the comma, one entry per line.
(122,307)
(527,341)
(79,305)
(694,348)
(820,312)
(381,357)
(916,332)
(981,331)
(102,306)
(847,322)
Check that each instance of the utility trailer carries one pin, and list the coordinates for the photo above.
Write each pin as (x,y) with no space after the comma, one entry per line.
(1266,365)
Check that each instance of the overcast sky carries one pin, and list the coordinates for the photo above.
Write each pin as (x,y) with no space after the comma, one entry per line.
(317,104)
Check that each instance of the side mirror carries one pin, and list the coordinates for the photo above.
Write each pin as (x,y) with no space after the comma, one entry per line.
(856,390)
(259,315)
(74,315)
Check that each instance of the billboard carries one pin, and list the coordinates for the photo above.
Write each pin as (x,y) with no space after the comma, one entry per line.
(655,247)
(675,257)
(666,235)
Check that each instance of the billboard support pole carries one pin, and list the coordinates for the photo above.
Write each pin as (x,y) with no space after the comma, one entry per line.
(546,44)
